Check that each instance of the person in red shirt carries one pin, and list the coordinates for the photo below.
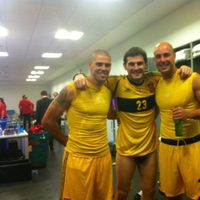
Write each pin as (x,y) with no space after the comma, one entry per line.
(3,110)
(26,108)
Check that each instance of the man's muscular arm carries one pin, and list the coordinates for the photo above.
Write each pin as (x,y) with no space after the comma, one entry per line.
(181,113)
(59,105)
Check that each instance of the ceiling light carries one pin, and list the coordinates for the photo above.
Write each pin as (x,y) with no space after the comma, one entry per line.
(33,72)
(75,35)
(51,55)
(37,72)
(40,72)
(3,31)
(31,79)
(33,76)
(41,67)
(72,35)
(3,54)
(61,34)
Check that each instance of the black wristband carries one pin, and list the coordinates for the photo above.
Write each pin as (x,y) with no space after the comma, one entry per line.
(78,74)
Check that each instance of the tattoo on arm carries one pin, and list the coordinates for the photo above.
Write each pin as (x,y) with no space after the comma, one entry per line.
(65,97)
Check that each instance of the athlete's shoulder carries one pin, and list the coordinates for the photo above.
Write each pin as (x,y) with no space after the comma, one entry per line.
(70,88)
(113,81)
(153,76)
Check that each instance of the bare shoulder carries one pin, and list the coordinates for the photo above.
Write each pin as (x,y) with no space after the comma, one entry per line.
(153,76)
(196,81)
(196,86)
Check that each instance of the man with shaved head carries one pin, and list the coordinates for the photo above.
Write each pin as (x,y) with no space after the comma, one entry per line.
(87,165)
(178,99)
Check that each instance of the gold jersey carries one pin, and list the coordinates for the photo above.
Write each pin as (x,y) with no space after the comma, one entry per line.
(176,93)
(136,135)
(87,120)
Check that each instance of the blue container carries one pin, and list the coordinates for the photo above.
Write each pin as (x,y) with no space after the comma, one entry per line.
(4,143)
(3,123)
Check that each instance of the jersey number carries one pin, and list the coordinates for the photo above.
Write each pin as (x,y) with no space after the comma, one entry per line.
(141,105)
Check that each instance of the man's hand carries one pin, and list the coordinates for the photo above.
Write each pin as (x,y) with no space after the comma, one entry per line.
(185,72)
(80,82)
(179,113)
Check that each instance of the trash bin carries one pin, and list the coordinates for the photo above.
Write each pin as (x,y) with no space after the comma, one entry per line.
(40,149)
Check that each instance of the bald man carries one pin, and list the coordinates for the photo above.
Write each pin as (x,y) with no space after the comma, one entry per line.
(179,155)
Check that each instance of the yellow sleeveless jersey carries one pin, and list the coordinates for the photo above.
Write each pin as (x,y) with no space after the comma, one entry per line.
(87,120)
(173,93)
(136,135)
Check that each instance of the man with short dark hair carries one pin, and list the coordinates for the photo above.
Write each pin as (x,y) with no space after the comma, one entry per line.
(41,107)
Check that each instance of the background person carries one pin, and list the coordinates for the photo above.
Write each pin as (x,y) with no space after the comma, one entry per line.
(41,107)
(3,109)
(26,108)
(178,155)
(87,161)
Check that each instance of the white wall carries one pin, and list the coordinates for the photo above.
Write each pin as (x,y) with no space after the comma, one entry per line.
(12,93)
(178,28)
(59,83)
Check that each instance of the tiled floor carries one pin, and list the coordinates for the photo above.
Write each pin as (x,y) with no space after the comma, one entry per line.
(45,184)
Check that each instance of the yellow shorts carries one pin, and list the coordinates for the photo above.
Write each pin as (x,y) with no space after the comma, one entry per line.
(180,170)
(87,177)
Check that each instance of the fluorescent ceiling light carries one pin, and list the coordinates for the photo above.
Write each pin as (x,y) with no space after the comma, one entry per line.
(33,72)
(3,31)
(51,55)
(37,72)
(33,76)
(3,54)
(41,67)
(31,79)
(75,35)
(72,35)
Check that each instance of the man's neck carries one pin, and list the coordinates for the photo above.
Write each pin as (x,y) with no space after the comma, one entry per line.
(94,82)
(170,74)
(136,82)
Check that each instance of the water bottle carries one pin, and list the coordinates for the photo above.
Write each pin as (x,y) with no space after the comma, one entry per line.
(21,128)
(178,127)
(17,128)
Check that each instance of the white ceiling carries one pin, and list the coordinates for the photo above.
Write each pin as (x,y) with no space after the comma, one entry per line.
(33,23)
